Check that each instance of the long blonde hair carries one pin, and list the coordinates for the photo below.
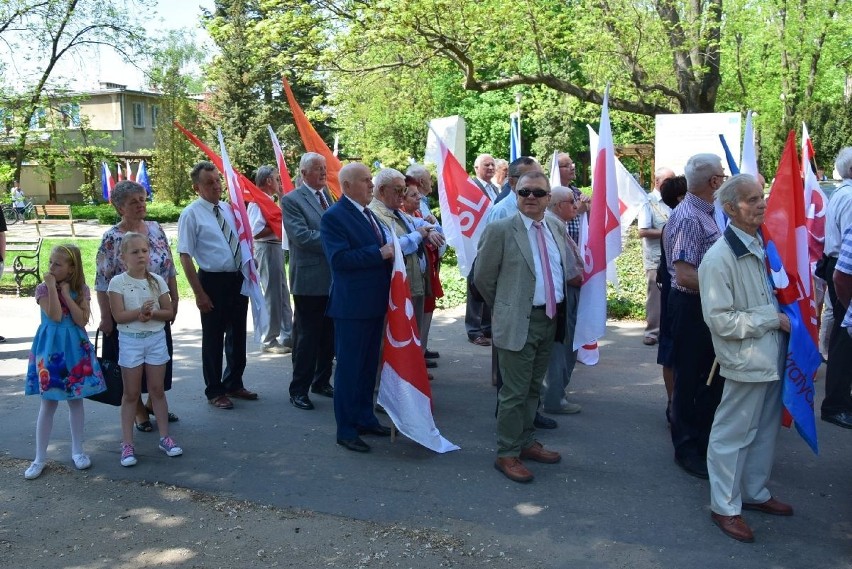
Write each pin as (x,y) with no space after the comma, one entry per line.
(125,245)
(77,278)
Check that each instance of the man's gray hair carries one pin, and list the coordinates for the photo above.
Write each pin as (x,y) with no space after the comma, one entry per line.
(263,174)
(698,170)
(559,194)
(732,190)
(309,158)
(843,162)
(384,177)
(123,190)
(417,171)
(480,158)
(203,166)
(530,176)
(500,162)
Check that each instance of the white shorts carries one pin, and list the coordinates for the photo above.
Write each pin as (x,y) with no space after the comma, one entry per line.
(135,350)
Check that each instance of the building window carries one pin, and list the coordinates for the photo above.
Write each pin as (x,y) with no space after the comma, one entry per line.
(39,119)
(138,115)
(155,116)
(70,115)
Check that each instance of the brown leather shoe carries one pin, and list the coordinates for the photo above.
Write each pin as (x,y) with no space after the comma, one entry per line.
(514,469)
(221,402)
(480,341)
(771,506)
(243,393)
(537,452)
(733,526)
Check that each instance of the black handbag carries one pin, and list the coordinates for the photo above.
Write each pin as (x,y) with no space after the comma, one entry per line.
(112,377)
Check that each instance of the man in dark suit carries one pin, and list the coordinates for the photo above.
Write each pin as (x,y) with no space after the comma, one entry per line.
(520,270)
(358,250)
(310,280)
(477,316)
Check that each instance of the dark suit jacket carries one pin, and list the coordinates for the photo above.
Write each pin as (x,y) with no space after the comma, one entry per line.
(360,278)
(309,272)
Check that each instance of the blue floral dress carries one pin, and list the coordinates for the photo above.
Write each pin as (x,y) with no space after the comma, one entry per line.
(62,360)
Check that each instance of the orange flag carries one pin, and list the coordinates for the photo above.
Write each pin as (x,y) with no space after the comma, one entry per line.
(251,193)
(313,142)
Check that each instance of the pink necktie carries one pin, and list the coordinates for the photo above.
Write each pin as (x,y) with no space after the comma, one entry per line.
(549,291)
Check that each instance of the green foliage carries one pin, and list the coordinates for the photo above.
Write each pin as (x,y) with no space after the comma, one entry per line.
(159,211)
(830,126)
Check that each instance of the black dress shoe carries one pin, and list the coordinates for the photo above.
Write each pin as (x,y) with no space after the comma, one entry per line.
(378,430)
(431,364)
(542,422)
(355,444)
(430,355)
(842,419)
(325,390)
(694,466)
(301,402)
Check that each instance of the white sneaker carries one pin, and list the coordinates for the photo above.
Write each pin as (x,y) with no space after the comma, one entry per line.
(128,455)
(81,461)
(170,447)
(34,471)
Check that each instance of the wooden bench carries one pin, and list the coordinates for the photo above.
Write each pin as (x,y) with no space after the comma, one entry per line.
(48,213)
(22,259)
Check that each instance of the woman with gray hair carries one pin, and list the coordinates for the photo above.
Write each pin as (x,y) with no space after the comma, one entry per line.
(129,200)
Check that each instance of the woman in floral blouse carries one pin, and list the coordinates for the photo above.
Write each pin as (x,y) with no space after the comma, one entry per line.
(129,199)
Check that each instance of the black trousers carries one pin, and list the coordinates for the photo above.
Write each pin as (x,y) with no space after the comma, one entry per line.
(313,344)
(223,329)
(838,373)
(477,315)
(693,401)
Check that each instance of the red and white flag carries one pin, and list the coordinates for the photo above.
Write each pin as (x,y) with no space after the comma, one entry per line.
(463,207)
(404,391)
(286,181)
(604,242)
(251,280)
(815,202)
(631,197)
(129,171)
(119,175)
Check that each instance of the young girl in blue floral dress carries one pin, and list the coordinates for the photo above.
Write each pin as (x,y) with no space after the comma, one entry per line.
(62,365)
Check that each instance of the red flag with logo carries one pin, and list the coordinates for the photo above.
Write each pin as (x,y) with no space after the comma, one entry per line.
(404,391)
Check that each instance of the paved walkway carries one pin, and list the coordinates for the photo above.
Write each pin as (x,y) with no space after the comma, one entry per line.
(615,500)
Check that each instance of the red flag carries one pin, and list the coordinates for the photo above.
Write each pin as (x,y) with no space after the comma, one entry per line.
(250,192)
(463,207)
(119,177)
(404,391)
(286,182)
(313,141)
(604,242)
(251,279)
(815,202)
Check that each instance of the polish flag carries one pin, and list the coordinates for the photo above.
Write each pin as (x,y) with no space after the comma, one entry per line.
(463,207)
(604,242)
(815,202)
(286,181)
(271,211)
(251,279)
(631,197)
(119,176)
(129,171)
(107,183)
(404,391)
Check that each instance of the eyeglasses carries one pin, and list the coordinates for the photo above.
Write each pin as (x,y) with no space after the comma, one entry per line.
(723,176)
(536,193)
(398,191)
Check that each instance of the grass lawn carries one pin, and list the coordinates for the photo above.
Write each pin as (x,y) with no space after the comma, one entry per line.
(88,249)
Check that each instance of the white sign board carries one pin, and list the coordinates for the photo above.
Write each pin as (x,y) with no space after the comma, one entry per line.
(677,137)
(453,131)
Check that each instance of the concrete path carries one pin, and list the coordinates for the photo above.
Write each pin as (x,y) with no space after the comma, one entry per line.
(616,499)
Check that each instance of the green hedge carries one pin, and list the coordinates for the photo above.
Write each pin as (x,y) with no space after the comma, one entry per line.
(161,212)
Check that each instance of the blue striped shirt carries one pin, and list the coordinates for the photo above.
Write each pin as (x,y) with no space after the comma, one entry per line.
(844,265)
(689,234)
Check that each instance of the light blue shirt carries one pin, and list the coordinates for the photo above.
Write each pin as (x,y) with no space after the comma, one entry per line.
(504,208)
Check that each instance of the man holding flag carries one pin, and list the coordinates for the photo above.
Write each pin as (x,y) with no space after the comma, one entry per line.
(749,334)
(360,256)
(207,233)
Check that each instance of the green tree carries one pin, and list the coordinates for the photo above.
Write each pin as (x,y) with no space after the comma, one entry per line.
(171,75)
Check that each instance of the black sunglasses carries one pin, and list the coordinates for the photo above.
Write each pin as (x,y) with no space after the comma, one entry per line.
(536,193)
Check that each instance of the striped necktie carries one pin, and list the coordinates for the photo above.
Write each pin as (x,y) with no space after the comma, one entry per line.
(322,200)
(232,240)
(547,275)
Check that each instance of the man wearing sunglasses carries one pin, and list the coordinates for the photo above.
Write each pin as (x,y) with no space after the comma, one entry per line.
(520,271)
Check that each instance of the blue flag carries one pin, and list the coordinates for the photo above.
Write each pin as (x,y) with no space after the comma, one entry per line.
(106,181)
(514,137)
(142,178)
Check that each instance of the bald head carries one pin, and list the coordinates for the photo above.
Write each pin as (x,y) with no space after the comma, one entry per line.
(356,182)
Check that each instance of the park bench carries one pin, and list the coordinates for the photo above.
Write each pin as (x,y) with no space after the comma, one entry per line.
(50,213)
(22,259)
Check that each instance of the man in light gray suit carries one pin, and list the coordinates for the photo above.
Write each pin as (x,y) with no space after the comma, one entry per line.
(520,271)
(310,281)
